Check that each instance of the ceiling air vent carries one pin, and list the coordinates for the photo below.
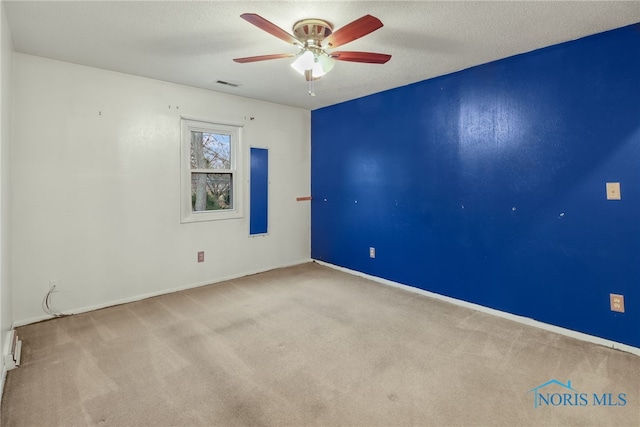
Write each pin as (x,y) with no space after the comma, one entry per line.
(222,82)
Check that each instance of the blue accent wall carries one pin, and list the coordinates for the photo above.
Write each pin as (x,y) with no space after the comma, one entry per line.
(488,185)
(259,191)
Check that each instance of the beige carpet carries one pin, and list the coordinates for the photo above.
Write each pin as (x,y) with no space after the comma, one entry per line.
(307,346)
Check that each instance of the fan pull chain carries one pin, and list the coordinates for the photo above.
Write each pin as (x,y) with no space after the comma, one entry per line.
(312,90)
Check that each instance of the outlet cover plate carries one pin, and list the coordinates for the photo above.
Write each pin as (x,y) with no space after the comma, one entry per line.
(613,191)
(617,302)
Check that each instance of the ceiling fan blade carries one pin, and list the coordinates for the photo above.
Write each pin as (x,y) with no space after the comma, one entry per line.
(264,57)
(270,28)
(352,31)
(367,57)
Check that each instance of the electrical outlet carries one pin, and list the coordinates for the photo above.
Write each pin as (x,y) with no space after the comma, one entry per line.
(54,285)
(201,256)
(372,252)
(613,191)
(617,302)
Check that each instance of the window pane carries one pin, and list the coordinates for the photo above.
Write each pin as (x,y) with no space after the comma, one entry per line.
(211,191)
(210,150)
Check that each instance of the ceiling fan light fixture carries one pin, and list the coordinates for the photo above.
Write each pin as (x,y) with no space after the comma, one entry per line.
(317,71)
(303,62)
(318,62)
(326,62)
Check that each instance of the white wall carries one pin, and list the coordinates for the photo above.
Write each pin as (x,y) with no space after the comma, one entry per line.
(6,52)
(96,186)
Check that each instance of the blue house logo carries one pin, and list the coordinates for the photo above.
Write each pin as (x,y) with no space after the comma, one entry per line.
(560,394)
(541,398)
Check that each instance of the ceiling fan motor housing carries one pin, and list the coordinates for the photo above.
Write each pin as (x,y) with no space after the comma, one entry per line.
(312,31)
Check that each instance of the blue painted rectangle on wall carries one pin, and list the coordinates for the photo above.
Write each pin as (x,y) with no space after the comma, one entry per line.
(259,191)
(488,185)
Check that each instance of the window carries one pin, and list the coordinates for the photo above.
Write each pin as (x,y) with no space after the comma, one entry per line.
(211,171)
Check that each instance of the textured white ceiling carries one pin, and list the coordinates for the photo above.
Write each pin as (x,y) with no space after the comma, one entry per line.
(194,43)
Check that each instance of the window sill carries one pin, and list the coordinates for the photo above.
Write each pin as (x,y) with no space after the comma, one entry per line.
(210,216)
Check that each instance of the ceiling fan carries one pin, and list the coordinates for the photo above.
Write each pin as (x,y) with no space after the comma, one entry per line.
(314,37)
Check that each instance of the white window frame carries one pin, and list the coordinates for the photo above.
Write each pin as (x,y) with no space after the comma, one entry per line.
(236,171)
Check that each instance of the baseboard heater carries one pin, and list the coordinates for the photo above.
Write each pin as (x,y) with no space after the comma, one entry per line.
(12,360)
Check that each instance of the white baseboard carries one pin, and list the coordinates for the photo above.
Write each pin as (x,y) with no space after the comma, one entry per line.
(79,310)
(520,319)
(5,351)
(2,381)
